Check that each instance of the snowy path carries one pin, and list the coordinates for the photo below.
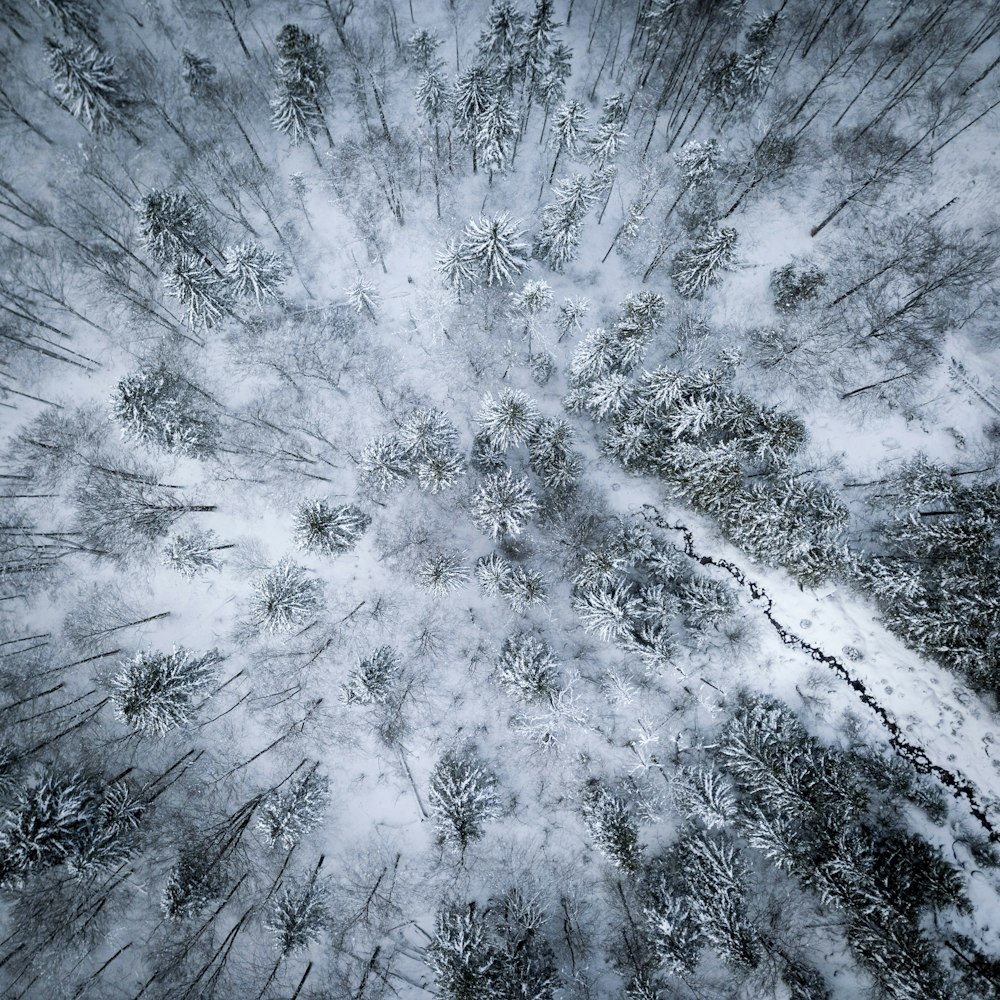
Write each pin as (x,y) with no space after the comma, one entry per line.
(933,729)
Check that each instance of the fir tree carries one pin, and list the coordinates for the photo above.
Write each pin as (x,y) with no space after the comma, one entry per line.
(558,238)
(422,46)
(569,123)
(502,39)
(493,245)
(495,131)
(170,225)
(527,668)
(385,463)
(363,297)
(551,458)
(330,529)
(299,915)
(154,692)
(700,265)
(571,313)
(509,418)
(612,825)
(456,265)
(287,816)
(613,611)
(432,95)
(539,38)
(610,135)
(254,273)
(191,553)
(462,796)
(792,286)
(303,70)
(698,161)
(199,287)
(198,73)
(284,598)
(523,589)
(442,573)
(464,962)
(502,505)
(372,680)
(158,406)
(195,881)
(473,94)
(87,84)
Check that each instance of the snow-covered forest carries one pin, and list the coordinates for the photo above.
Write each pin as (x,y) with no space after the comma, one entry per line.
(501,500)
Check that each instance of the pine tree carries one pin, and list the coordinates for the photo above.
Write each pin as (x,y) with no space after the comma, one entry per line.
(493,573)
(462,796)
(756,64)
(569,123)
(539,38)
(303,70)
(610,135)
(793,285)
(523,589)
(495,130)
(284,598)
(253,272)
(191,553)
(363,297)
(154,692)
(700,265)
(493,244)
(464,962)
(675,934)
(287,816)
(698,161)
(509,418)
(502,39)
(432,95)
(170,225)
(422,46)
(372,680)
(558,239)
(385,463)
(571,313)
(705,795)
(198,285)
(502,505)
(87,84)
(195,881)
(612,825)
(198,73)
(706,602)
(473,94)
(299,915)
(527,668)
(158,406)
(613,610)
(550,456)
(456,265)
(442,573)
(330,529)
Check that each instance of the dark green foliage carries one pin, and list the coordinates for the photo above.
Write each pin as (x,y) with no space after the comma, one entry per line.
(793,285)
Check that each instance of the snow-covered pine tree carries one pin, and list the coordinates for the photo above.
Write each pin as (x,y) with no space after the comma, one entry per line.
(493,245)
(364,297)
(456,266)
(523,589)
(442,573)
(558,239)
(191,553)
(551,458)
(503,504)
(254,273)
(502,40)
(86,84)
(702,793)
(700,265)
(372,680)
(610,135)
(421,47)
(495,131)
(571,313)
(706,602)
(299,915)
(330,529)
(106,842)
(170,225)
(430,439)
(474,92)
(198,73)
(432,95)
(200,288)
(697,161)
(675,934)
(158,406)
(527,668)
(611,823)
(303,70)
(154,692)
(568,133)
(793,285)
(284,598)
(755,65)
(539,38)
(195,881)
(463,960)
(509,418)
(287,816)
(385,463)
(612,610)
(462,796)
(493,573)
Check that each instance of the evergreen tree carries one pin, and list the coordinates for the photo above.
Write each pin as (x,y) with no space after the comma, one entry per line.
(792,286)
(464,962)
(154,692)
(190,553)
(462,796)
(523,589)
(571,313)
(171,225)
(700,265)
(87,84)
(508,419)
(198,73)
(287,816)
(253,272)
(569,123)
(502,39)
(612,825)
(539,38)
(612,610)
(473,94)
(284,598)
(195,881)
(698,161)
(551,458)
(372,680)
(429,438)
(610,135)
(330,529)
(495,130)
(558,238)
(198,285)
(442,573)
(493,572)
(385,463)
(456,265)
(299,915)
(422,46)
(158,406)
(432,95)
(527,668)
(502,505)
(303,71)
(363,297)
(493,245)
